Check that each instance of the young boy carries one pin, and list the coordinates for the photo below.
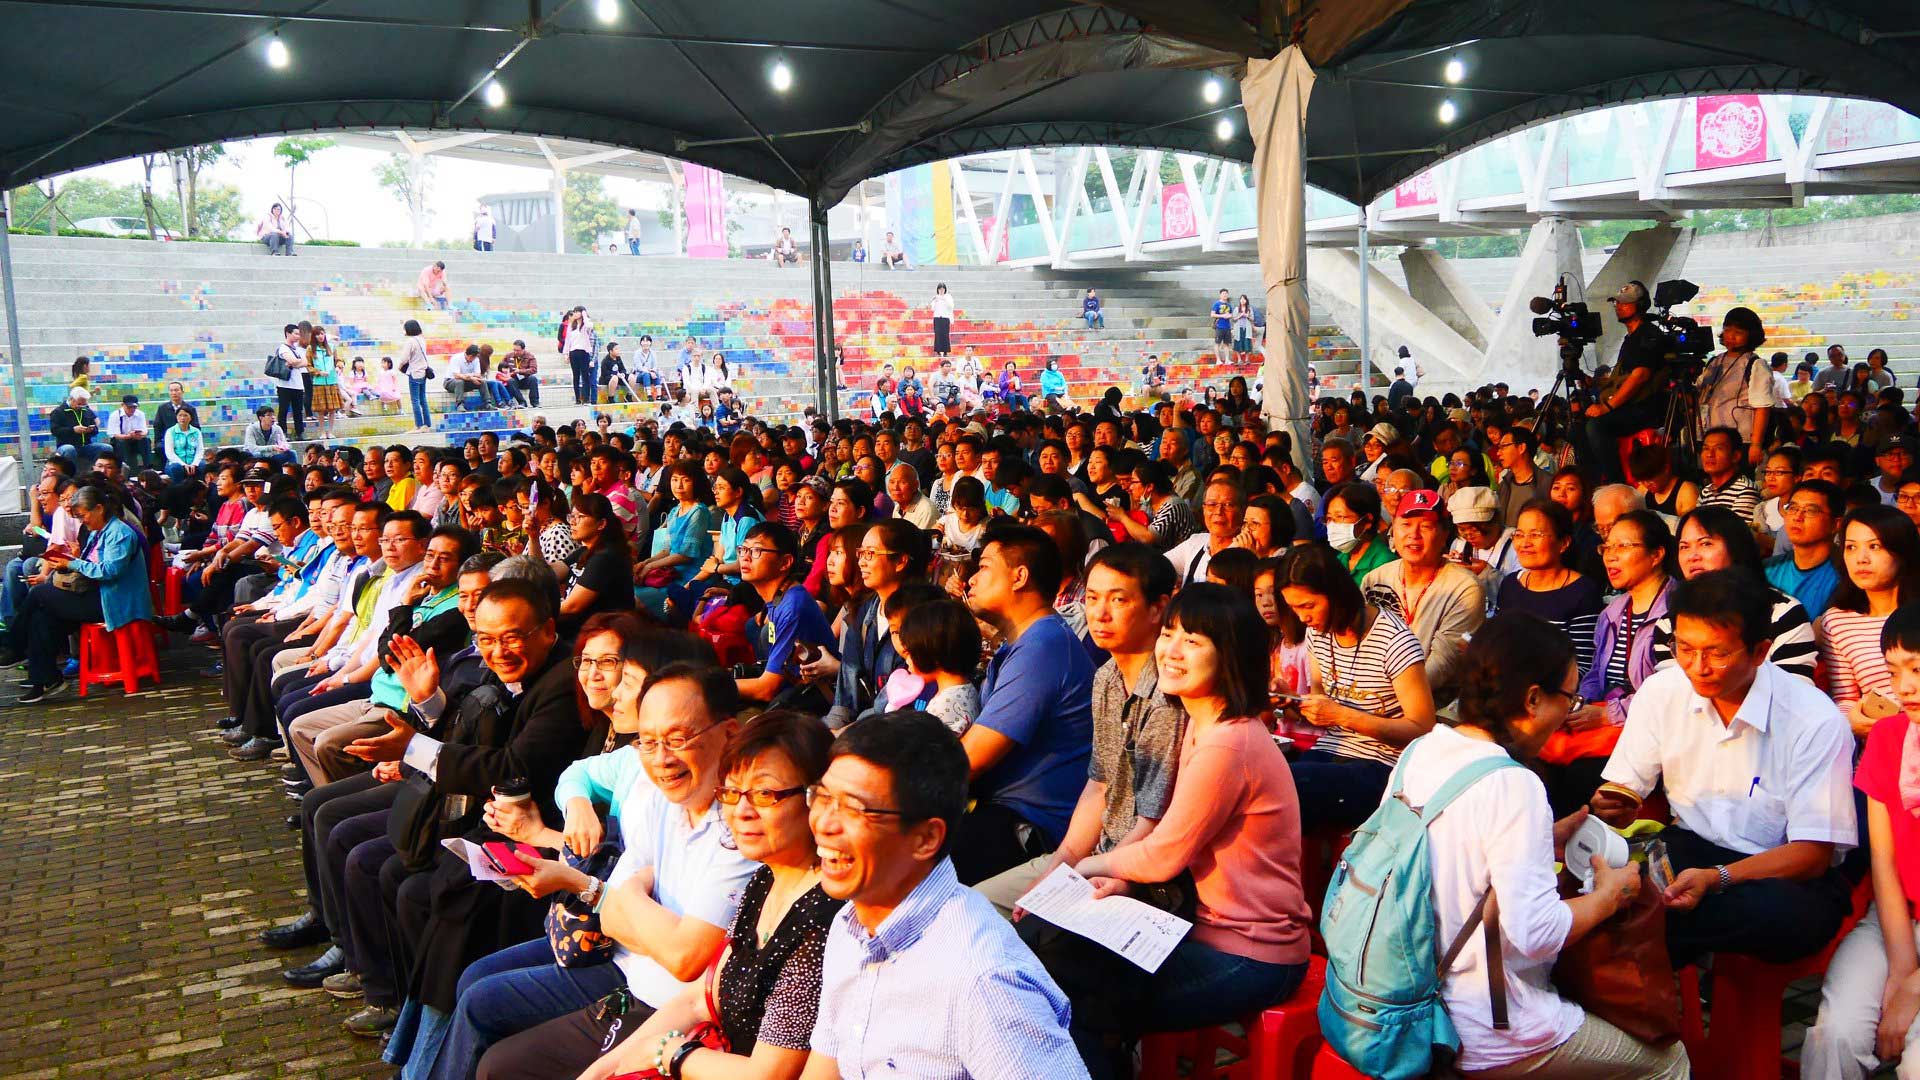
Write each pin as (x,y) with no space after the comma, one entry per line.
(1871,997)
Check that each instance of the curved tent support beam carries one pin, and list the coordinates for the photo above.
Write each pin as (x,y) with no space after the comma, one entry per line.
(966,85)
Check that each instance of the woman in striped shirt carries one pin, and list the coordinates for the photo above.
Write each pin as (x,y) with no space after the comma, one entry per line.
(1545,585)
(1881,551)
(1369,690)
(1714,538)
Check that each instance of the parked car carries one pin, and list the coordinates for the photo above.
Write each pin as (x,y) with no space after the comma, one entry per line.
(122,226)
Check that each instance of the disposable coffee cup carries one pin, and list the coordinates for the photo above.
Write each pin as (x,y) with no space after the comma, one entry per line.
(513,792)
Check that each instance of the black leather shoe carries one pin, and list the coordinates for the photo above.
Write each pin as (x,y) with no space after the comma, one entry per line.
(228,723)
(292,774)
(179,624)
(305,930)
(235,736)
(309,977)
(293,822)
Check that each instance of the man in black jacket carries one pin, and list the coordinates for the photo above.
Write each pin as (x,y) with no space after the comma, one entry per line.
(440,920)
(76,430)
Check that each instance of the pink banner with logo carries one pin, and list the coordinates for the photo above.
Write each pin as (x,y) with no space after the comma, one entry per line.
(1418,191)
(706,209)
(1729,129)
(1177,218)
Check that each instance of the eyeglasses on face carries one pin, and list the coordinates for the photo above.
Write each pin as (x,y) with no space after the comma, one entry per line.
(760,797)
(676,742)
(870,554)
(1574,701)
(605,665)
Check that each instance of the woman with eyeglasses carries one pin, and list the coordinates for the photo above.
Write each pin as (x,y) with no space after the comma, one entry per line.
(1880,550)
(1778,473)
(1234,822)
(1714,538)
(1638,556)
(1354,522)
(1517,688)
(1546,585)
(765,988)
(1465,468)
(681,541)
(601,572)
(1906,495)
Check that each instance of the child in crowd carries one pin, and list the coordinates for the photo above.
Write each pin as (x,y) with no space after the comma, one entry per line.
(940,642)
(960,529)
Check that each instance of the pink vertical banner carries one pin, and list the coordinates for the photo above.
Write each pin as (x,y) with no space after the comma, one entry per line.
(706,209)
(986,224)
(1729,129)
(1177,218)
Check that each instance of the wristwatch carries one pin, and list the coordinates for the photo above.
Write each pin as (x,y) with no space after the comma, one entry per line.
(590,895)
(1726,880)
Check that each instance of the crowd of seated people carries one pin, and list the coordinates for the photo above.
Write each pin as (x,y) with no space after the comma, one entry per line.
(664,751)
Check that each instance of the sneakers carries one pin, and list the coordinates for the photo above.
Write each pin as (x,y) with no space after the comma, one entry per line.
(253,750)
(71,669)
(345,986)
(37,694)
(372,1021)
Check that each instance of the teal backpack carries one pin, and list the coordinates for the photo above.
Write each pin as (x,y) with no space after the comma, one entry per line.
(1382,1010)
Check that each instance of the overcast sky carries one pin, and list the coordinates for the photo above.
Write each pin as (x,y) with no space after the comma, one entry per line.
(341,200)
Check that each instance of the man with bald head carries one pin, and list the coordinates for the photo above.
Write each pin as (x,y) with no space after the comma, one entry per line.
(903,487)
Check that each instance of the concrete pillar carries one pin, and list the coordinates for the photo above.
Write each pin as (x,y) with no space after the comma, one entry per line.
(1514,355)
(1433,282)
(1395,319)
(1648,256)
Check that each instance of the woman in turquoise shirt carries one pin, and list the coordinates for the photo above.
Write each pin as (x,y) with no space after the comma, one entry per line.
(112,589)
(1053,385)
(681,543)
(736,505)
(185,444)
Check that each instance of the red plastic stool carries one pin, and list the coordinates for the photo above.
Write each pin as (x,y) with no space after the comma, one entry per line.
(1276,1046)
(172,599)
(125,655)
(1743,1040)
(1325,1065)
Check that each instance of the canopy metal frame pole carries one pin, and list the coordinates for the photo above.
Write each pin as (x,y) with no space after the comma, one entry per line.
(13,351)
(1366,321)
(827,380)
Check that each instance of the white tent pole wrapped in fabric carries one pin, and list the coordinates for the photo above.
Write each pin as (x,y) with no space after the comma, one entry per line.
(1275,93)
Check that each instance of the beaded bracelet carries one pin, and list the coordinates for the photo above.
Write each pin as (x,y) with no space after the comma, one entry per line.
(660,1054)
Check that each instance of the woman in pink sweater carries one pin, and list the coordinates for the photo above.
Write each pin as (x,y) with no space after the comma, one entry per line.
(1234,823)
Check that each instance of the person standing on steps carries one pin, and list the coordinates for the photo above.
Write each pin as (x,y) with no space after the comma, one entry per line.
(413,364)
(633,233)
(1222,314)
(942,320)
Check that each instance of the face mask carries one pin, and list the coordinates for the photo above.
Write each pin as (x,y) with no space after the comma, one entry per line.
(1340,534)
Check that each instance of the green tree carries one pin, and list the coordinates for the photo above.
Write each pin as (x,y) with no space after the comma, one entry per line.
(590,210)
(297,151)
(82,197)
(219,213)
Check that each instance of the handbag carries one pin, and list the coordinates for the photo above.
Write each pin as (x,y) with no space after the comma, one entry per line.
(1620,970)
(67,579)
(573,927)
(658,578)
(277,367)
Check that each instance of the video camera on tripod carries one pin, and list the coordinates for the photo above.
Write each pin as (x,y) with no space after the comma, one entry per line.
(1688,343)
(1576,324)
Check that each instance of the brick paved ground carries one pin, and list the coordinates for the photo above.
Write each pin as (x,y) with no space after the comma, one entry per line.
(138,864)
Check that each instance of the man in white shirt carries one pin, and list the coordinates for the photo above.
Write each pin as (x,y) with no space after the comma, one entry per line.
(1223,510)
(127,432)
(903,487)
(1757,766)
(484,230)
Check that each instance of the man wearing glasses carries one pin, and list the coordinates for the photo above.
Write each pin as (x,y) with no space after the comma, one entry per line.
(919,971)
(667,904)
(790,618)
(1520,480)
(1757,767)
(1808,571)
(1223,511)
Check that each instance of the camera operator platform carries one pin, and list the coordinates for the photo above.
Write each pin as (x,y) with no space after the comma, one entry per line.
(1636,399)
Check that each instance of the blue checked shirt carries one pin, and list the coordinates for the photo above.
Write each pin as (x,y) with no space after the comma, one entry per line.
(944,991)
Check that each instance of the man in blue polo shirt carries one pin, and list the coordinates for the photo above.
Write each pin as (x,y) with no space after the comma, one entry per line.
(790,619)
(1808,571)
(1028,748)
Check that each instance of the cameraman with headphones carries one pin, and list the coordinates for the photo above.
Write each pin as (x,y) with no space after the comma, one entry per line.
(1638,400)
(1736,386)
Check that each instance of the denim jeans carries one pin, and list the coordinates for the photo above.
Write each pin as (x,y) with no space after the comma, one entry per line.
(511,991)
(1096,321)
(417,394)
(84,455)
(13,586)
(1337,792)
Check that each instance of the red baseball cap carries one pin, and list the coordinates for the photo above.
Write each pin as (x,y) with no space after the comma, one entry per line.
(1421,501)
